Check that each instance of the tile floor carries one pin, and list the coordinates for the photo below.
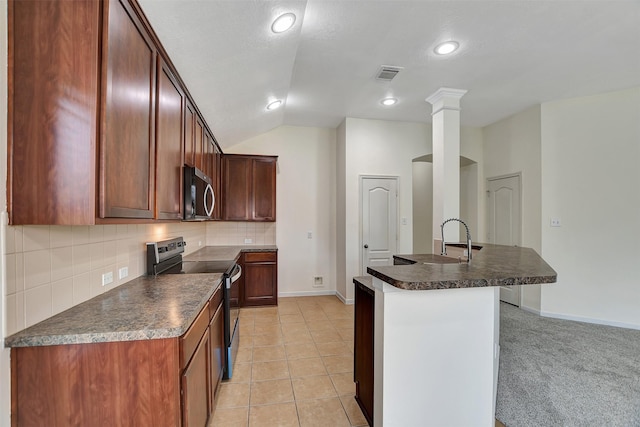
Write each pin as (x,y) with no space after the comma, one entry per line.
(294,367)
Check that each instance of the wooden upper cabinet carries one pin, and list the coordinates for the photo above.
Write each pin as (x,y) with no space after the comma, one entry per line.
(199,143)
(98,127)
(54,65)
(169,144)
(237,186)
(189,134)
(249,188)
(264,188)
(129,66)
(217,181)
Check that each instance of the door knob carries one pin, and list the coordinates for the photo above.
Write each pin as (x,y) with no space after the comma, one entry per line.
(366,246)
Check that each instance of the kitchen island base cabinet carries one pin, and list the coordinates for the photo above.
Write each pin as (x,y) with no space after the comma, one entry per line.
(364,348)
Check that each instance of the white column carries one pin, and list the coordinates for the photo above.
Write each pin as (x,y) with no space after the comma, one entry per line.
(446,160)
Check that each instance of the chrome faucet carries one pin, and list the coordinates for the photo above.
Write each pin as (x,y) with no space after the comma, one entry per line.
(444,245)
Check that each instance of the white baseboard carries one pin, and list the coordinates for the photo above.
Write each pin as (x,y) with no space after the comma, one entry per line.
(530,310)
(590,320)
(305,293)
(345,300)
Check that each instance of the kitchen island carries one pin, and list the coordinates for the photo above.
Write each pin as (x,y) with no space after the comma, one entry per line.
(436,334)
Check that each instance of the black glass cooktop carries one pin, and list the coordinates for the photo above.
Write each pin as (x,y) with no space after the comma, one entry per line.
(194,267)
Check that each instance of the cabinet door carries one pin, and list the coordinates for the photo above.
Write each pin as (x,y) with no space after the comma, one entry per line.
(216,331)
(199,143)
(363,349)
(264,189)
(126,164)
(54,67)
(196,386)
(217,181)
(237,185)
(260,279)
(189,134)
(169,145)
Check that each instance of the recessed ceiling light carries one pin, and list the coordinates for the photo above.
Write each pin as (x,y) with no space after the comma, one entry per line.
(274,105)
(446,47)
(283,23)
(388,101)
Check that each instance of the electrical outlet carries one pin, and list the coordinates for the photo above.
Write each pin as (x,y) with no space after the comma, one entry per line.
(247,241)
(309,235)
(123,272)
(317,282)
(107,278)
(555,222)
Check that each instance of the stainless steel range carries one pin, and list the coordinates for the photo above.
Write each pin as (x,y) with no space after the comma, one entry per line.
(165,257)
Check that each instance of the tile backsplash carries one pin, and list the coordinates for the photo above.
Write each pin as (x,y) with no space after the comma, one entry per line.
(235,233)
(52,268)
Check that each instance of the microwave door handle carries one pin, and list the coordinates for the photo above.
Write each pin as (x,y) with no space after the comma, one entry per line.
(209,210)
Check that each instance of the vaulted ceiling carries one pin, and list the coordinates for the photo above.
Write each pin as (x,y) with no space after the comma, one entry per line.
(513,54)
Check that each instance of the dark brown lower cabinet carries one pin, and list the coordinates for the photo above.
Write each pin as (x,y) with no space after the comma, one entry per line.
(158,382)
(196,386)
(363,351)
(260,276)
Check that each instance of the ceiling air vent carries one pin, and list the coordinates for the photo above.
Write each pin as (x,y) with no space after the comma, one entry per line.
(387,72)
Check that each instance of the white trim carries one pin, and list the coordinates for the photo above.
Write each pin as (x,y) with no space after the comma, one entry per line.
(305,294)
(530,310)
(316,294)
(345,300)
(589,320)
(445,92)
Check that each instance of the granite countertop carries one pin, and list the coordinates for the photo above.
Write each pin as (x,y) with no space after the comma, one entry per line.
(493,265)
(226,253)
(144,308)
(141,309)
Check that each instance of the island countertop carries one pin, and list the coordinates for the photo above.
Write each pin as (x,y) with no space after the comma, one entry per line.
(493,265)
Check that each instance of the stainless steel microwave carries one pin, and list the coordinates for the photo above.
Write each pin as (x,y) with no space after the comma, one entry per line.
(199,198)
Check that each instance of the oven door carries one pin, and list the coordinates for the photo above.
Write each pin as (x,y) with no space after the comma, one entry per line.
(231,317)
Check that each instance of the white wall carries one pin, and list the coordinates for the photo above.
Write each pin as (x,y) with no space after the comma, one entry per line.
(590,179)
(378,147)
(513,145)
(341,211)
(422,191)
(305,203)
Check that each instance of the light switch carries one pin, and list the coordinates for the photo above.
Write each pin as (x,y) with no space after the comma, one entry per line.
(403,221)
(309,235)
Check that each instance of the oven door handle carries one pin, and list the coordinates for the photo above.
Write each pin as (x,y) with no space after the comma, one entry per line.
(237,275)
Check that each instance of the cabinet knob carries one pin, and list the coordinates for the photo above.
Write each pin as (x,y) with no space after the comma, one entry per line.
(366,246)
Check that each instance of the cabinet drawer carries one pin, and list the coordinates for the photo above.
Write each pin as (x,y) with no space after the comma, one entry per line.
(189,341)
(260,256)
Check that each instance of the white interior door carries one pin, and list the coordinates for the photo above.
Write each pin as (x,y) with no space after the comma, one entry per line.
(504,216)
(379,221)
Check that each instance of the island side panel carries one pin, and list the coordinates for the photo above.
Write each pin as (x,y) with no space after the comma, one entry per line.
(436,360)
